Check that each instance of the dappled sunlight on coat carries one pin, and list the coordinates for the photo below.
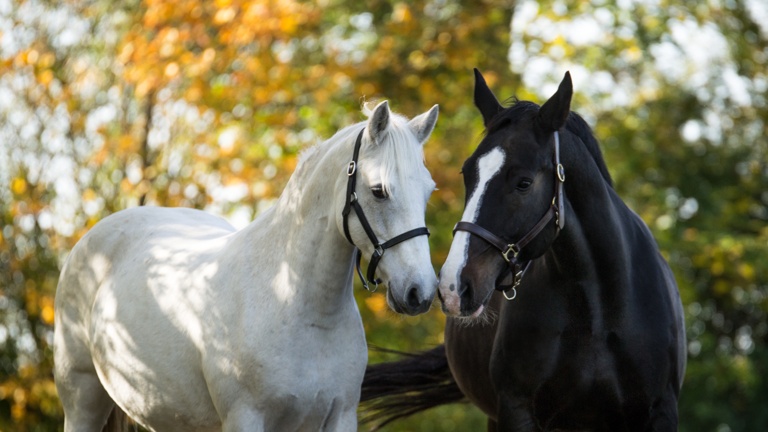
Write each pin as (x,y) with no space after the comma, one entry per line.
(187,324)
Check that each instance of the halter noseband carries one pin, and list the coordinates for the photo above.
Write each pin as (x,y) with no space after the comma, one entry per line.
(379,248)
(555,211)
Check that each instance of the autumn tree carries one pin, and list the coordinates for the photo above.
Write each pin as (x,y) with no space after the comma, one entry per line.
(109,105)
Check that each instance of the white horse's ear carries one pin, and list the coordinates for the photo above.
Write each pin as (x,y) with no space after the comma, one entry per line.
(423,124)
(378,122)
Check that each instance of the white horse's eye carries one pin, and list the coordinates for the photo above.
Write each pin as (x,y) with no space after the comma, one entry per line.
(379,192)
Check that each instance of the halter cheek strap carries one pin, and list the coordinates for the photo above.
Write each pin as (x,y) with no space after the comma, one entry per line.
(352,203)
(510,251)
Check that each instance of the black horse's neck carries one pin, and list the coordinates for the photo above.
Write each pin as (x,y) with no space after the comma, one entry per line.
(588,252)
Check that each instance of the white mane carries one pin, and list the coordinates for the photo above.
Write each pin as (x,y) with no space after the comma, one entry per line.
(401,152)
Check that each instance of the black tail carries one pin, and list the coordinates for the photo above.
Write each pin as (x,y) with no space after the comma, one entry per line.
(118,421)
(402,388)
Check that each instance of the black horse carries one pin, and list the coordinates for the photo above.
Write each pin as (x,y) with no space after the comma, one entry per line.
(593,335)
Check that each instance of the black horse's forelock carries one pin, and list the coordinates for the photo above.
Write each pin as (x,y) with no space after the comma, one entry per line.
(511,114)
(517,110)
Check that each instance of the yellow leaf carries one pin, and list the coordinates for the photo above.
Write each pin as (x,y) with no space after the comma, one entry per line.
(19,186)
(721,287)
(377,304)
(171,70)
(224,15)
(747,271)
(45,77)
(47,314)
(32,57)
(89,195)
(18,411)
(46,60)
(402,13)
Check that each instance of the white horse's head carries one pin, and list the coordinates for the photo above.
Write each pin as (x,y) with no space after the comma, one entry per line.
(392,187)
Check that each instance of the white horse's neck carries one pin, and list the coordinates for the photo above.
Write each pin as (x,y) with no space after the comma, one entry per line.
(299,235)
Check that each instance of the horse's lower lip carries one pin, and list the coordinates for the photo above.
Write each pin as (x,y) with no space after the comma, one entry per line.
(477,312)
(470,314)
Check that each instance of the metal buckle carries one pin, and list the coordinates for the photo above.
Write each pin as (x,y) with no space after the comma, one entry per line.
(510,248)
(351,168)
(517,279)
(379,250)
(561,173)
(514,294)
(367,286)
(353,197)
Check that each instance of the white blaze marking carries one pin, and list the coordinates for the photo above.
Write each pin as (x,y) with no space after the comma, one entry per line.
(488,166)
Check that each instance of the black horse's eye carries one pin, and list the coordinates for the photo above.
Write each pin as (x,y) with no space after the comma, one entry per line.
(524,184)
(378,192)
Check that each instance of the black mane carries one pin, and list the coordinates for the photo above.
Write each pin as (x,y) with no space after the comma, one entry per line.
(575,124)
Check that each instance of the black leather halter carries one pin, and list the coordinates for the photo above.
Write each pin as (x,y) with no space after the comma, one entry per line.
(379,248)
(555,211)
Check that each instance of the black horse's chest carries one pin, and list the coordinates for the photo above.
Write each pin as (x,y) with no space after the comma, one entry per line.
(560,357)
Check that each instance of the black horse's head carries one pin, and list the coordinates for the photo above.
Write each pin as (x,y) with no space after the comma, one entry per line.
(510,213)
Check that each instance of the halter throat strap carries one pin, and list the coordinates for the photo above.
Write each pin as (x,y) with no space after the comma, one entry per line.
(510,251)
(379,248)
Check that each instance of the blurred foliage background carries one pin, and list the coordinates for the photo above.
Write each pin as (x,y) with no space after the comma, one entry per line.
(106,105)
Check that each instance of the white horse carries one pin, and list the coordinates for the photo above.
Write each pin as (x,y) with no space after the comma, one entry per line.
(186,324)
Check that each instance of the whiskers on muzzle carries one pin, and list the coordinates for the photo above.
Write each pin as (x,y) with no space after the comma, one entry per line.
(487,317)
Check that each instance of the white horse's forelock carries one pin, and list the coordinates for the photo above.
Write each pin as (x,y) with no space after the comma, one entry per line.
(400,154)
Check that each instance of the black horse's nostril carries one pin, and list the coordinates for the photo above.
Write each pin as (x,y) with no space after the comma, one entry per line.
(465,289)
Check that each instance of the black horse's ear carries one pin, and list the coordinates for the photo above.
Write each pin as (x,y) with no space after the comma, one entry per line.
(554,112)
(485,101)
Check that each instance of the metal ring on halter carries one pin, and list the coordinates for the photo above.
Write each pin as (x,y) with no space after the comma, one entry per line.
(514,294)
(376,283)
(561,173)
(351,168)
(367,286)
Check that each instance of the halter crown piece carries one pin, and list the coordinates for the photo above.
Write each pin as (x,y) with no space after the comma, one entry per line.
(510,251)
(378,248)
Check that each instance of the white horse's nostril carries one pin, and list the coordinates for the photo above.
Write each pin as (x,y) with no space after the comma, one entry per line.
(412,297)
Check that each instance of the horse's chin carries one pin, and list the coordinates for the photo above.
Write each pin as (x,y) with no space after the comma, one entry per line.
(464,314)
